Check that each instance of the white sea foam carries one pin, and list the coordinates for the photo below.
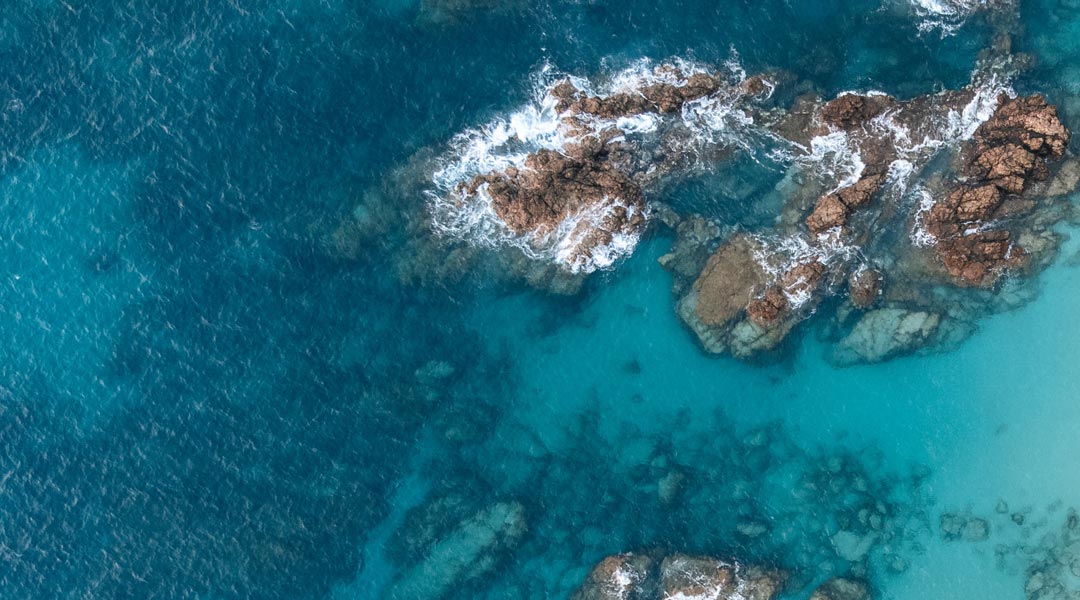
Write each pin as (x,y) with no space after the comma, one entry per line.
(566,241)
(834,156)
(919,235)
(946,16)
(507,142)
(778,255)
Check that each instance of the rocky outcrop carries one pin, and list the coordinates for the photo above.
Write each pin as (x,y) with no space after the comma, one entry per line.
(619,577)
(849,111)
(750,294)
(578,195)
(634,576)
(1009,152)
(731,279)
(976,223)
(586,184)
(660,97)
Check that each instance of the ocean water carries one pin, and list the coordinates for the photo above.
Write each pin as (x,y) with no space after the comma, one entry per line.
(211,389)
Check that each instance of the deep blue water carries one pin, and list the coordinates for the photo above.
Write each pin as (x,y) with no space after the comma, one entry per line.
(200,397)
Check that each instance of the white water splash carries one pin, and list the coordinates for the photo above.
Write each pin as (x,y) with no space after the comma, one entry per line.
(947,16)
(778,255)
(507,142)
(919,235)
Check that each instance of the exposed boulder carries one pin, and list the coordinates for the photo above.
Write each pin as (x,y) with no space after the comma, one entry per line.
(731,279)
(634,576)
(767,308)
(618,577)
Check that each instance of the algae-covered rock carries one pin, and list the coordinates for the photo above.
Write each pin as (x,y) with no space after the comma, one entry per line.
(468,551)
(884,333)
(842,589)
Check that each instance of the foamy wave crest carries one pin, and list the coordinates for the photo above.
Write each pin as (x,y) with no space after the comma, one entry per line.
(507,142)
(832,155)
(571,237)
(919,235)
(778,255)
(946,16)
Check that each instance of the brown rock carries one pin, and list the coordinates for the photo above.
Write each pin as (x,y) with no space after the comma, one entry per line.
(864,287)
(553,186)
(768,307)
(977,258)
(1009,151)
(1029,121)
(731,278)
(803,279)
(617,577)
(852,110)
(833,210)
(658,97)
(829,212)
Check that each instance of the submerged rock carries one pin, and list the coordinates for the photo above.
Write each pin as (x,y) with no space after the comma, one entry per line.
(864,287)
(884,333)
(842,589)
(964,527)
(466,552)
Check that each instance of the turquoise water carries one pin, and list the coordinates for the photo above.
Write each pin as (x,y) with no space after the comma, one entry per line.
(207,390)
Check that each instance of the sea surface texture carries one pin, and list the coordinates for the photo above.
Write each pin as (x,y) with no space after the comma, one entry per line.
(439,299)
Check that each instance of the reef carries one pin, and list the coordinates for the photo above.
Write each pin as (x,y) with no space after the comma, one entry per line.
(895,223)
(576,195)
(964,172)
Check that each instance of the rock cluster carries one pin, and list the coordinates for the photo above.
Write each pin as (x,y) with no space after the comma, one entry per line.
(651,576)
(589,191)
(1009,152)
(750,294)
(744,303)
(645,576)
(588,177)
(883,202)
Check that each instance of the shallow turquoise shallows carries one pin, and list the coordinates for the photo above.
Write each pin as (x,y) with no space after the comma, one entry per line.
(209,391)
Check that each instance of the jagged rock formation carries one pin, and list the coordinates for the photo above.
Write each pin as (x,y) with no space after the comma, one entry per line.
(580,196)
(1009,152)
(882,200)
(753,290)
